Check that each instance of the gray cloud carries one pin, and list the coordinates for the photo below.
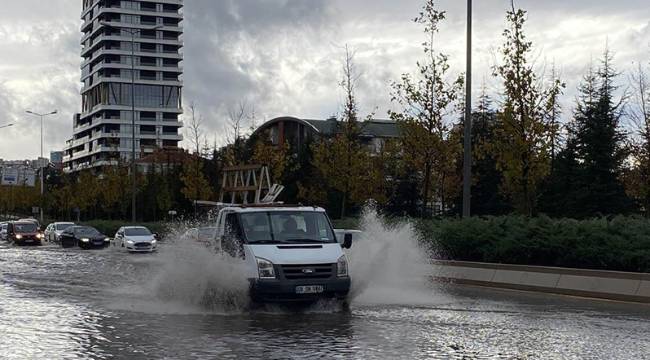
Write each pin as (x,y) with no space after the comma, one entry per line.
(284,56)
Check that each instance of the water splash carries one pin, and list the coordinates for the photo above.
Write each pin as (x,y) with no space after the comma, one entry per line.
(195,275)
(388,265)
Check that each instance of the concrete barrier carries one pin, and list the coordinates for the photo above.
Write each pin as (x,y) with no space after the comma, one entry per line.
(612,285)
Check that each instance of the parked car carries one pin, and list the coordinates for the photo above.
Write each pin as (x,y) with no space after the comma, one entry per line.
(86,237)
(3,231)
(24,233)
(135,239)
(54,230)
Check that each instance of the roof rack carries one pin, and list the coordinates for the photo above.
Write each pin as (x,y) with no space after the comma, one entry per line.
(240,182)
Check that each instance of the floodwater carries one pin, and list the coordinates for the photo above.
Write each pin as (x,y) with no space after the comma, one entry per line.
(185,303)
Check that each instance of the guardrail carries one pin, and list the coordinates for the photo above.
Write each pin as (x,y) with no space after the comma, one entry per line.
(611,285)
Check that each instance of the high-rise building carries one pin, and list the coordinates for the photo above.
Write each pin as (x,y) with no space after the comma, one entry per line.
(119,35)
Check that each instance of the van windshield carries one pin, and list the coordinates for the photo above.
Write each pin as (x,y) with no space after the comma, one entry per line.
(287,227)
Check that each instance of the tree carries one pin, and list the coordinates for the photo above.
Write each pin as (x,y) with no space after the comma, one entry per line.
(599,144)
(427,99)
(552,113)
(486,198)
(638,176)
(195,130)
(195,185)
(235,149)
(521,143)
(343,162)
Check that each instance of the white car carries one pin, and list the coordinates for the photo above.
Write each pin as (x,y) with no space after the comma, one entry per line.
(204,235)
(135,239)
(54,230)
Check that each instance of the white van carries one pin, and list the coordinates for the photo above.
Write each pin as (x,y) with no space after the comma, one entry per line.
(291,252)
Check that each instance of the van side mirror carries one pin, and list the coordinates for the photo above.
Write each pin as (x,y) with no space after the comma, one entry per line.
(347,241)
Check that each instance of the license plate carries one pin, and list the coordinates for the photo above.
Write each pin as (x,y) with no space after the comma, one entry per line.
(310,289)
(29,240)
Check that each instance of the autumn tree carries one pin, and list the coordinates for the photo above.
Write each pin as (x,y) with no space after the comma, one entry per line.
(195,185)
(343,161)
(521,144)
(427,100)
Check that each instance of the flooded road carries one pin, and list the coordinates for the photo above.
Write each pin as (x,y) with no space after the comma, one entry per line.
(103,304)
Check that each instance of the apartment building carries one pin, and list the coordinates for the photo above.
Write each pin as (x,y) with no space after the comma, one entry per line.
(131,63)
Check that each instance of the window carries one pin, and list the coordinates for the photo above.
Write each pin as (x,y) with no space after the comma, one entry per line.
(145,95)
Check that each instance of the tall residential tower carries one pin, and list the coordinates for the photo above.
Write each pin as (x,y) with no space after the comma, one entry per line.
(102,132)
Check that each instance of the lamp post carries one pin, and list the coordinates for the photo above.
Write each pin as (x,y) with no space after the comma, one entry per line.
(467,162)
(6,126)
(41,168)
(132,32)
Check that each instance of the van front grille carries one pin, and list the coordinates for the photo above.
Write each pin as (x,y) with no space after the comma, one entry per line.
(299,272)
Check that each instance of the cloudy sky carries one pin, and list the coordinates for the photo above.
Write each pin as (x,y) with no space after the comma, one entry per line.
(283,57)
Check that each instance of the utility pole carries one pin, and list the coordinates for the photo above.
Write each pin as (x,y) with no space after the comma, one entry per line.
(41,168)
(467,163)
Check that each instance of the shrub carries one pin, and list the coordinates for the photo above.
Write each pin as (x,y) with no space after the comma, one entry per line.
(620,243)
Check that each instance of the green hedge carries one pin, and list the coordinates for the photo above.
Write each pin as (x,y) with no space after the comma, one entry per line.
(621,243)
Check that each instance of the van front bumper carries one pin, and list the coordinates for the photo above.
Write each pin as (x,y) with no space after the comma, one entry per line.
(274,290)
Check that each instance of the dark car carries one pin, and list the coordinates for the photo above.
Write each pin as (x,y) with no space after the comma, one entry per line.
(86,237)
(24,233)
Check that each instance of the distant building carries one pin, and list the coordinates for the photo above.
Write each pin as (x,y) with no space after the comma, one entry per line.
(20,172)
(298,132)
(102,132)
(56,157)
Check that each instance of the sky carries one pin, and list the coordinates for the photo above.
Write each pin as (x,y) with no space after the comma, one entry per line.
(284,57)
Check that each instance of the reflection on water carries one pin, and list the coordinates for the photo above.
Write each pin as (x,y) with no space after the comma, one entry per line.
(106,304)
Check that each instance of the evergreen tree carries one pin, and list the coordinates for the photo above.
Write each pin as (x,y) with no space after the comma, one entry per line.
(588,177)
(486,198)
(600,144)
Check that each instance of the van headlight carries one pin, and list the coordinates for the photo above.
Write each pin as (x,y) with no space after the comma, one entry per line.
(342,266)
(265,269)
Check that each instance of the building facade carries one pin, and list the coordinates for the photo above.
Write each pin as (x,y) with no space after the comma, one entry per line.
(299,132)
(119,35)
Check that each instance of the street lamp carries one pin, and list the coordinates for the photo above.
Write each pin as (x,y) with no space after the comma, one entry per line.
(132,32)
(6,126)
(467,161)
(41,169)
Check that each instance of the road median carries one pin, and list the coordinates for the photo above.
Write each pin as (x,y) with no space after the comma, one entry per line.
(610,285)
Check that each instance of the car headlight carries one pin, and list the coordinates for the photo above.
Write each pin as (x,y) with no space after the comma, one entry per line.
(130,242)
(85,240)
(342,266)
(265,269)
(154,241)
(107,240)
(39,236)
(18,236)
